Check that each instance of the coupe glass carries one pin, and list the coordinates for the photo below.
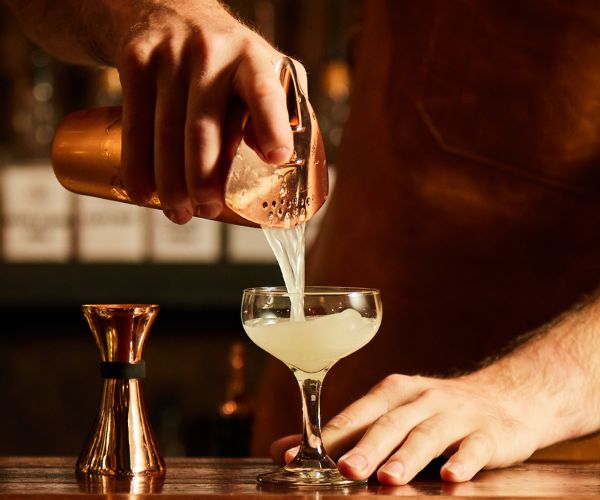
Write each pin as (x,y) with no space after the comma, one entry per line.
(309,332)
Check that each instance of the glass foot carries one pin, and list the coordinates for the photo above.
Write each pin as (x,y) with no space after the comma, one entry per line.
(308,477)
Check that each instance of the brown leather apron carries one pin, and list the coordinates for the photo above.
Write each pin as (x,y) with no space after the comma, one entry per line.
(468,187)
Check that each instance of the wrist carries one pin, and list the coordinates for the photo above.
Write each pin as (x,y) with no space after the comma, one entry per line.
(542,387)
(519,399)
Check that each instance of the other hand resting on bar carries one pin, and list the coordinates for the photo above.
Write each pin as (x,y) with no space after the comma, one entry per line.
(546,390)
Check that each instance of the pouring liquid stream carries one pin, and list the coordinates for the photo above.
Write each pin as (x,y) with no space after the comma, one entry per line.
(288,246)
(312,344)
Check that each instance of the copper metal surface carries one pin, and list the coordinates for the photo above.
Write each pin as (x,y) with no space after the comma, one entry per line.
(86,157)
(288,194)
(121,442)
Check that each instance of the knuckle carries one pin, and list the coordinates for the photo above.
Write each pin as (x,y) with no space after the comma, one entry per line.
(135,57)
(433,394)
(200,169)
(218,43)
(390,421)
(264,86)
(197,128)
(201,49)
(195,135)
(252,45)
(482,443)
(253,50)
(201,131)
(341,421)
(391,383)
(425,431)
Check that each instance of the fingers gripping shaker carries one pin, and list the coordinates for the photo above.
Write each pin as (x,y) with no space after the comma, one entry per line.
(86,157)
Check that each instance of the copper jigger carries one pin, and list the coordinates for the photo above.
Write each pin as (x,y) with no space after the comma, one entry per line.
(121,442)
(86,157)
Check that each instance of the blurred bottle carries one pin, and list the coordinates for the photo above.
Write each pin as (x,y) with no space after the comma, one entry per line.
(235,415)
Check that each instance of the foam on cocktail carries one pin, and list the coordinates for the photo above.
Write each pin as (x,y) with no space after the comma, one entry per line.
(316,344)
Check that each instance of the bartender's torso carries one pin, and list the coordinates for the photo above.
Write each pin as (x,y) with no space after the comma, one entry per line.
(468,186)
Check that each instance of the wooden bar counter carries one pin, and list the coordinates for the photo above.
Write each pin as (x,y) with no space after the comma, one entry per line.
(53,477)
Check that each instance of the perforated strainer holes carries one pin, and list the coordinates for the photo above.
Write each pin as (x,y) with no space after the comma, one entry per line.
(286,208)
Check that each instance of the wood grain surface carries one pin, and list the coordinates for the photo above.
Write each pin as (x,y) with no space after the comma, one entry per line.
(44,477)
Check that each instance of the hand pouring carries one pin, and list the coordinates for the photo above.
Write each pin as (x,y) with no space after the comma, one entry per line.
(86,157)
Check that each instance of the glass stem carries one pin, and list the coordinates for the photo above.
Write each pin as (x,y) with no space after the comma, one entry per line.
(312,446)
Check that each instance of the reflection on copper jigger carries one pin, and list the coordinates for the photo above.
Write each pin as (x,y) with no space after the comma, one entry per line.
(105,485)
(121,442)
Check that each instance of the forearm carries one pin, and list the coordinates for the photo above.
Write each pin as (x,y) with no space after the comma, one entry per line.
(555,375)
(59,27)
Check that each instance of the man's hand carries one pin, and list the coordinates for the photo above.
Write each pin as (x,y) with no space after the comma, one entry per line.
(185,70)
(405,422)
(189,72)
(544,391)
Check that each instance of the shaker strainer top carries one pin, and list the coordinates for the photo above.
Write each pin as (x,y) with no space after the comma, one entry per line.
(288,194)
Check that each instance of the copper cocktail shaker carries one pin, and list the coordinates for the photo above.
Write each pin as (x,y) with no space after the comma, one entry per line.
(86,156)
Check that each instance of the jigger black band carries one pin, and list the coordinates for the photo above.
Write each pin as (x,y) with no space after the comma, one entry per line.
(117,369)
